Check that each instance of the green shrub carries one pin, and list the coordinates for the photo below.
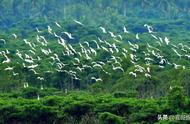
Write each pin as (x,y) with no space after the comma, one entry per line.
(30,92)
(39,114)
(89,119)
(108,118)
(77,110)
(119,94)
(177,100)
(51,101)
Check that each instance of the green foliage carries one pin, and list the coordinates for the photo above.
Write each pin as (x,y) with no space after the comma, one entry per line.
(119,94)
(30,92)
(82,107)
(77,110)
(177,99)
(108,118)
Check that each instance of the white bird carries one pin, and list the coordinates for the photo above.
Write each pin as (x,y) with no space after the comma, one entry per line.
(101,41)
(148,69)
(66,91)
(178,54)
(154,36)
(120,37)
(7,60)
(187,47)
(97,65)
(137,36)
(150,29)
(166,40)
(97,45)
(118,68)
(15,36)
(34,71)
(160,39)
(176,66)
(80,69)
(96,79)
(112,34)
(33,66)
(188,56)
(103,29)
(40,78)
(183,67)
(78,22)
(9,68)
(46,52)
(171,87)
(32,52)
(57,24)
(38,30)
(24,85)
(50,29)
(104,48)
(4,41)
(147,75)
(76,78)
(56,35)
(77,59)
(14,74)
(38,58)
(86,66)
(28,60)
(7,51)
(133,74)
(38,97)
(68,34)
(148,59)
(131,44)
(162,61)
(93,51)
(117,40)
(132,57)
(124,54)
(125,30)
(161,66)
(41,87)
(126,51)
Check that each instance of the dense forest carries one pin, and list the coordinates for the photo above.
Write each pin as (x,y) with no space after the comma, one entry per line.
(94,61)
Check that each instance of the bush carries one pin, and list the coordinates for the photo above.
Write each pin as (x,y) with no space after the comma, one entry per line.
(39,114)
(52,101)
(108,118)
(177,100)
(30,92)
(89,119)
(119,94)
(77,110)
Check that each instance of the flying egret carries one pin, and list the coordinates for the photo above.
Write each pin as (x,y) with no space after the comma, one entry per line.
(69,35)
(15,36)
(133,74)
(78,22)
(125,30)
(103,29)
(96,79)
(57,24)
(9,68)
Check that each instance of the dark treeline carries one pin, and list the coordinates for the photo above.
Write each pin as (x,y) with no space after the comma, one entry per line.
(15,12)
